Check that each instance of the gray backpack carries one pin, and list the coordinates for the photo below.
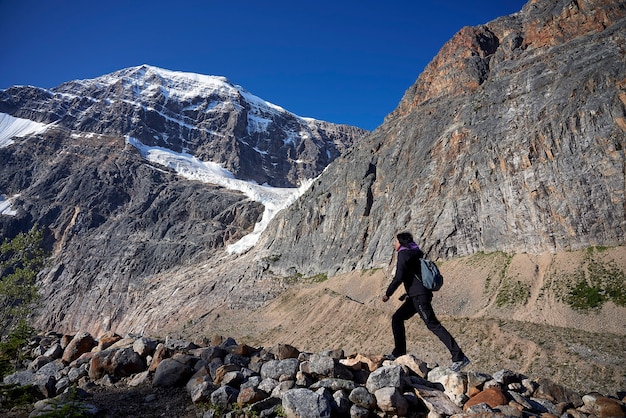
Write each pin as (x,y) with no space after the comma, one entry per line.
(431,277)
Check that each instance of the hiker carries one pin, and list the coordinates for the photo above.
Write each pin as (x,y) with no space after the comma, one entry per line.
(416,300)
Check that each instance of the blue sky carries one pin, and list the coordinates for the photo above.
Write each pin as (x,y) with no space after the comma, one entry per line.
(341,61)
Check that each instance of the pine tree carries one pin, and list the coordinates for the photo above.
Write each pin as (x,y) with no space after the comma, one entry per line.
(21,259)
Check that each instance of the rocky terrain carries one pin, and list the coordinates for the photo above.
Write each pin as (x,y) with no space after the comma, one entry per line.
(505,159)
(224,378)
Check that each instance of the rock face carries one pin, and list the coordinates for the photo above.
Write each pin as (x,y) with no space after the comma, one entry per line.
(512,139)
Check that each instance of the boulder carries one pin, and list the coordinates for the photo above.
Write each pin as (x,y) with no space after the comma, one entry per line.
(250,395)
(224,396)
(493,397)
(160,353)
(386,376)
(304,403)
(81,343)
(280,369)
(107,339)
(554,392)
(284,351)
(363,398)
(171,373)
(437,402)
(145,346)
(604,407)
(413,364)
(391,401)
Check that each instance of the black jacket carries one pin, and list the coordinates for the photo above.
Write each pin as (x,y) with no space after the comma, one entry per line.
(407,267)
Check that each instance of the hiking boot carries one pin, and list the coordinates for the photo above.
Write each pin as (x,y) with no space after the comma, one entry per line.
(458,365)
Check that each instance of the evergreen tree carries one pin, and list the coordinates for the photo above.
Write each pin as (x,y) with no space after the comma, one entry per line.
(21,259)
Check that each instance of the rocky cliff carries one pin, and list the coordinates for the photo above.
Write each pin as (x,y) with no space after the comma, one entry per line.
(512,139)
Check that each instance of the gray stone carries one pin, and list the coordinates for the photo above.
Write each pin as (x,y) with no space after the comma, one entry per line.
(304,403)
(54,352)
(386,376)
(334,384)
(543,406)
(53,368)
(171,373)
(224,396)
(75,373)
(126,362)
(321,366)
(268,384)
(201,392)
(233,379)
(359,412)
(390,400)
(506,377)
(37,363)
(340,403)
(144,346)
(282,387)
(20,378)
(274,369)
(46,384)
(252,382)
(363,398)
(436,401)
(61,385)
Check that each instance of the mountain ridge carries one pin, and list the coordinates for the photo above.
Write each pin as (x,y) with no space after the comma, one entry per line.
(207,116)
(112,218)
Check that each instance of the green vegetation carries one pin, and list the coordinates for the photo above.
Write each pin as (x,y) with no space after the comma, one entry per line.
(12,396)
(596,283)
(299,278)
(500,262)
(513,293)
(272,258)
(69,406)
(21,259)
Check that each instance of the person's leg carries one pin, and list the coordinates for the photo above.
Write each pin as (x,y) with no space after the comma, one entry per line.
(404,312)
(427,314)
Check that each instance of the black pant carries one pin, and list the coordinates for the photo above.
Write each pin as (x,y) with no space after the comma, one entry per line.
(410,307)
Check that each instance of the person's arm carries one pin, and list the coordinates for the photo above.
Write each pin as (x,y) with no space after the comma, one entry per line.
(397,279)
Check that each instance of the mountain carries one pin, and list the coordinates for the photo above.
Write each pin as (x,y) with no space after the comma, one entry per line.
(205,116)
(147,170)
(512,139)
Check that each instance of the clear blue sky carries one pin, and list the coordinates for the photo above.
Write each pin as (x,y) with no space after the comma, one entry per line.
(341,61)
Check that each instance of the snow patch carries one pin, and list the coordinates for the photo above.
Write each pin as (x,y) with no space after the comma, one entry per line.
(5,205)
(274,199)
(11,127)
